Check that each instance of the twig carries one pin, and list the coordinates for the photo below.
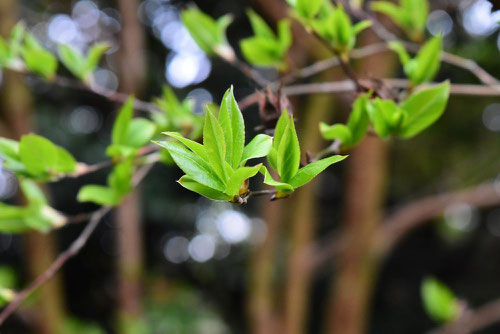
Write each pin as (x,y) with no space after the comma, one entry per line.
(473,320)
(257,193)
(71,251)
(334,148)
(345,86)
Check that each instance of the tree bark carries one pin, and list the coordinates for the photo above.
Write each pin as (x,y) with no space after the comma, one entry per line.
(40,249)
(128,215)
(347,311)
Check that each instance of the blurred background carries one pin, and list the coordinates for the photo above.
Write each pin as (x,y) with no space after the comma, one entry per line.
(169,261)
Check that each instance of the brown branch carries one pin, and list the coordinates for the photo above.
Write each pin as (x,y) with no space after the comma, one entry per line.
(71,251)
(473,320)
(420,211)
(345,86)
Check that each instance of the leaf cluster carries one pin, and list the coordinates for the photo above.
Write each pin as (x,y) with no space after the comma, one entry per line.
(409,15)
(266,48)
(82,66)
(330,22)
(407,119)
(425,65)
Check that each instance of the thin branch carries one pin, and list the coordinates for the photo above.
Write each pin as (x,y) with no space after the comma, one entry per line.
(326,64)
(345,86)
(473,320)
(71,251)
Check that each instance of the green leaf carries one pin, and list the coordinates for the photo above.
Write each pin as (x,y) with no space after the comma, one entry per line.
(336,131)
(307,173)
(73,60)
(190,184)
(214,143)
(360,26)
(427,61)
(34,195)
(386,116)
(9,153)
(41,62)
(232,127)
(358,119)
(140,131)
(282,187)
(403,55)
(12,219)
(120,178)
(235,182)
(288,153)
(342,30)
(208,33)
(98,194)
(284,36)
(259,26)
(42,158)
(439,301)
(423,109)
(197,148)
(261,51)
(308,8)
(258,147)
(122,122)
(4,52)
(272,158)
(389,9)
(194,166)
(94,56)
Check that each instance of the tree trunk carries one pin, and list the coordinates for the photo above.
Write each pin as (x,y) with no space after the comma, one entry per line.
(128,215)
(39,248)
(303,218)
(364,196)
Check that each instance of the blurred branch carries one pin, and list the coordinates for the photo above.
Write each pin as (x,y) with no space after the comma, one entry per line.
(413,214)
(72,250)
(472,320)
(345,86)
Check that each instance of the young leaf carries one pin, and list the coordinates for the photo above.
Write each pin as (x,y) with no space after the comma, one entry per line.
(94,56)
(140,131)
(41,157)
(238,177)
(98,194)
(209,34)
(386,116)
(258,147)
(9,154)
(122,122)
(399,48)
(423,109)
(288,153)
(307,173)
(308,8)
(213,140)
(34,195)
(439,301)
(259,26)
(272,158)
(37,59)
(427,61)
(281,187)
(190,184)
(336,131)
(233,127)
(73,60)
(197,148)
(194,166)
